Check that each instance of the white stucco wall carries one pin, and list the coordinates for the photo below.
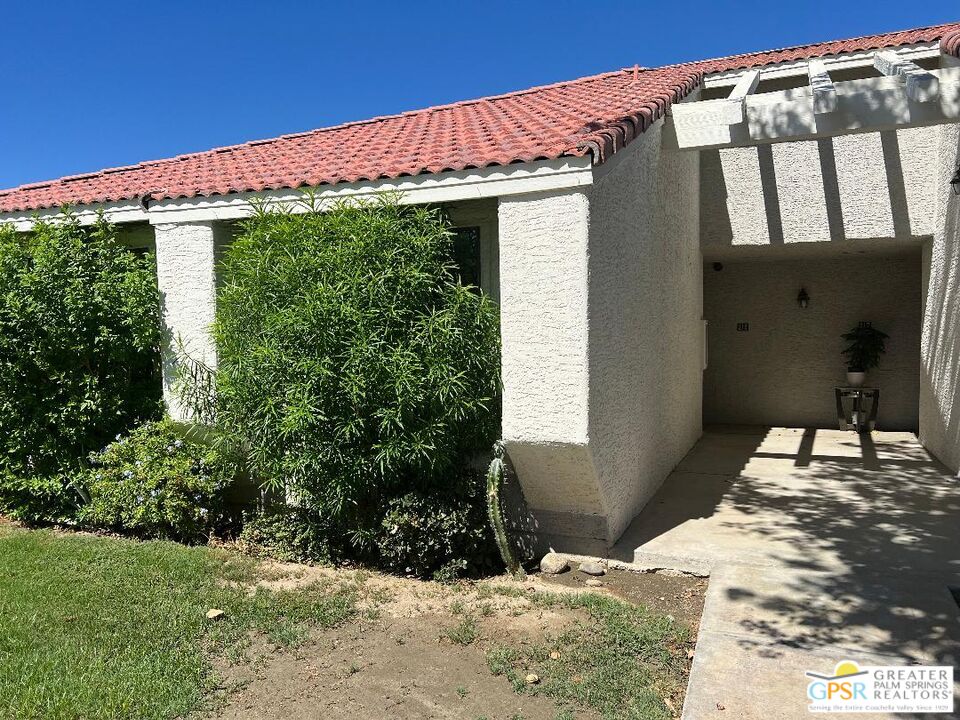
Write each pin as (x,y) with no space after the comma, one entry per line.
(940,341)
(782,371)
(645,339)
(600,315)
(543,318)
(187,280)
(850,187)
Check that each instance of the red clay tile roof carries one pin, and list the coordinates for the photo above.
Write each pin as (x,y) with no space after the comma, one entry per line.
(596,115)
(950,43)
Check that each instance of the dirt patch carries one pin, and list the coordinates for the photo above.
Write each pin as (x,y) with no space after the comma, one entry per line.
(392,668)
(679,596)
(420,649)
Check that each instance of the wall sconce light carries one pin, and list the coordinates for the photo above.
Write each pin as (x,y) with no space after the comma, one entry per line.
(803,299)
(955,181)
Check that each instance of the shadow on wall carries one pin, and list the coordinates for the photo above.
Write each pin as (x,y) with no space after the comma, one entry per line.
(867,535)
(830,189)
(773,361)
(941,331)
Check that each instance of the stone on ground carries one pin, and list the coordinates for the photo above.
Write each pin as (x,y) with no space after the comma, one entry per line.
(554,564)
(592,567)
(214,614)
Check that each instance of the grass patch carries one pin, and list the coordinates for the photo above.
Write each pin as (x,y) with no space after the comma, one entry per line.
(623,661)
(464,632)
(100,627)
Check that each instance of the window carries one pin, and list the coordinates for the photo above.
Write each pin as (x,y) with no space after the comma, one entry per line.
(466,254)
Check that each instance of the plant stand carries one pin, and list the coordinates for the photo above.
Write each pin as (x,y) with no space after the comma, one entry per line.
(858,418)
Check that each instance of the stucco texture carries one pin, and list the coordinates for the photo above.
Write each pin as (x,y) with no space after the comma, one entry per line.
(849,187)
(940,343)
(783,369)
(187,280)
(543,323)
(600,315)
(645,324)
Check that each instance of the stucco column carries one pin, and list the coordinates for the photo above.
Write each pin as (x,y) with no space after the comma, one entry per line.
(600,304)
(543,315)
(187,280)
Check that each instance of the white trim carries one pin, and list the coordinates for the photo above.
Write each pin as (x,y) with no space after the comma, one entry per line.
(832,62)
(499,181)
(125,211)
(434,188)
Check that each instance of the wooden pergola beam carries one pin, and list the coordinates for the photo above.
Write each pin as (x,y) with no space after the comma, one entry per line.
(824,93)
(922,86)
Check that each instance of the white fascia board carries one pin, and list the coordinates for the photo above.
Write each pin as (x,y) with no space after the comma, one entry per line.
(792,68)
(124,211)
(498,181)
(453,186)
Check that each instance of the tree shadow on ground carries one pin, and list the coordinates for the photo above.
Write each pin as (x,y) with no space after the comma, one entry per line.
(848,544)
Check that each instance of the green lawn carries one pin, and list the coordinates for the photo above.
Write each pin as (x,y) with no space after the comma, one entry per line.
(94,627)
(98,627)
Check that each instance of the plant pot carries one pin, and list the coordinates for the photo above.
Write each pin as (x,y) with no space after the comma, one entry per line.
(855,378)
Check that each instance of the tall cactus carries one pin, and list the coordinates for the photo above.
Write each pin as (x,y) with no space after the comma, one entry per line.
(495,475)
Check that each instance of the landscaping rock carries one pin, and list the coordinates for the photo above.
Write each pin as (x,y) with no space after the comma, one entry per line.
(592,568)
(214,614)
(553,564)
(593,582)
(533,679)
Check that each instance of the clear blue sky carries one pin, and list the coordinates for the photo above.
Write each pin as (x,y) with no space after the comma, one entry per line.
(88,85)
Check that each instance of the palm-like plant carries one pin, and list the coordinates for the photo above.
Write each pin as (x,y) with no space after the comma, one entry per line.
(865,346)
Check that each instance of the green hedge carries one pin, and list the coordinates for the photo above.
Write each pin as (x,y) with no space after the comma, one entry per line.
(353,366)
(80,334)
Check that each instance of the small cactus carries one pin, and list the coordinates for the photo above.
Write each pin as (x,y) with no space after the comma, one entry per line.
(495,477)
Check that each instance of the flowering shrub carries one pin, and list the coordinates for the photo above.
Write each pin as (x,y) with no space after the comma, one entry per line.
(155,483)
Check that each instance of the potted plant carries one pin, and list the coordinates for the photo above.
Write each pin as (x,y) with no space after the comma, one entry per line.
(865,345)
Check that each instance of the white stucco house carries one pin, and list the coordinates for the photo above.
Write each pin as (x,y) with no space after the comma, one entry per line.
(646,233)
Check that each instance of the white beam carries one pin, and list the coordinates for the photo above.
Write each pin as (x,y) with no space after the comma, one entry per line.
(864,105)
(745,85)
(714,117)
(846,61)
(922,86)
(738,96)
(824,93)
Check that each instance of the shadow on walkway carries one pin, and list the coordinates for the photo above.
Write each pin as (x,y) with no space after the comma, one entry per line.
(821,545)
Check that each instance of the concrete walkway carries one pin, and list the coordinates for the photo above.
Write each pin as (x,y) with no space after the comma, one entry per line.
(821,546)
